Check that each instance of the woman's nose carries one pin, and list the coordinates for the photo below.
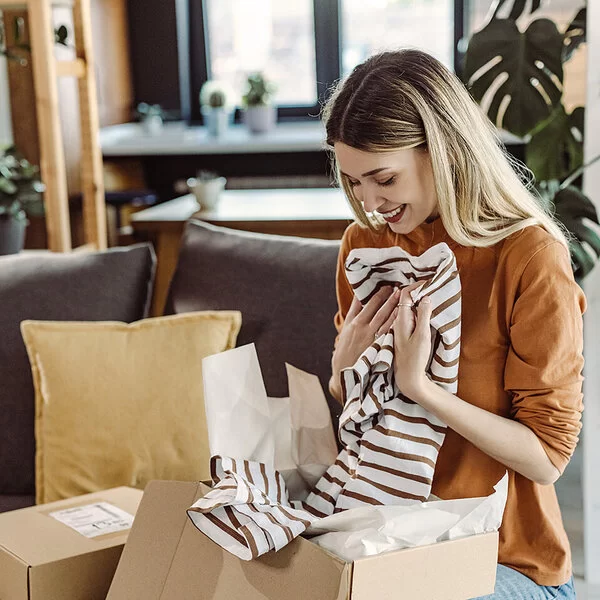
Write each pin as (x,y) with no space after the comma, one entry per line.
(371,199)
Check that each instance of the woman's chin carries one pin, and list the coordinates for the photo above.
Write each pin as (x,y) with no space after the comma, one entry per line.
(403,226)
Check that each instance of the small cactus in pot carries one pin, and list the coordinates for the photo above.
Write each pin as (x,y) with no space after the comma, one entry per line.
(216,107)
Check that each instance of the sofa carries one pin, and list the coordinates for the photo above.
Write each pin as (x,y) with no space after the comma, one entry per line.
(284,288)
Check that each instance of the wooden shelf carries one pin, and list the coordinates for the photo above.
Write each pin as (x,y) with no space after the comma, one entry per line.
(71,68)
(46,69)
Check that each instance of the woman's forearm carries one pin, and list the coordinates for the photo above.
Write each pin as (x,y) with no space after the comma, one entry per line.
(506,440)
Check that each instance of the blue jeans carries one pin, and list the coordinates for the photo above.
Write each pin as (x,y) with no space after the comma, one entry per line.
(512,585)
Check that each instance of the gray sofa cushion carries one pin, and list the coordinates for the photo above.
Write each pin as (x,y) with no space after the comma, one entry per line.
(283,286)
(114,285)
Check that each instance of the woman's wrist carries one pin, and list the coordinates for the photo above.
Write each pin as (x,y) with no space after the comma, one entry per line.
(419,390)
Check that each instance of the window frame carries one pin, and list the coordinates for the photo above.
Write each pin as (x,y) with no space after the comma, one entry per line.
(328,44)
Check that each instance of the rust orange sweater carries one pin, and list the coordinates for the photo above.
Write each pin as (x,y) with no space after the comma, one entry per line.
(521,357)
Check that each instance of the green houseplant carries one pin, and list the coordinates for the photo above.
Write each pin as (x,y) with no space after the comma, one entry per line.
(151,117)
(20,194)
(516,73)
(260,114)
(216,106)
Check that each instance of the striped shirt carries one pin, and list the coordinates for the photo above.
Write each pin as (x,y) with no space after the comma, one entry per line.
(390,444)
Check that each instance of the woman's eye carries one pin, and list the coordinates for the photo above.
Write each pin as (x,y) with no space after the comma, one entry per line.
(353,183)
(389,181)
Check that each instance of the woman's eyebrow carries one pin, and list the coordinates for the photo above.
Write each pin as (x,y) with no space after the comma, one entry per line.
(374,171)
(368,173)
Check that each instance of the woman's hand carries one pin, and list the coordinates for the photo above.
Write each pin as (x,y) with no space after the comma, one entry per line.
(363,324)
(412,344)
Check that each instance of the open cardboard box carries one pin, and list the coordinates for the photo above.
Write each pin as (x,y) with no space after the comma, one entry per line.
(42,558)
(167,558)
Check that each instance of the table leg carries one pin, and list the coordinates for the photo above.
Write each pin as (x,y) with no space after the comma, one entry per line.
(167,251)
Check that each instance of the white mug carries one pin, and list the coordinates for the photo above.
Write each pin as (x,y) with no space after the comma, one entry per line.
(206,191)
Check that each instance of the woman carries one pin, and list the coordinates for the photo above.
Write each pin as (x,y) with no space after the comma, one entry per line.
(421,164)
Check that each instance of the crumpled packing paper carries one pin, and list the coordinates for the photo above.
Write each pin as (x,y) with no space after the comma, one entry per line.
(366,531)
(295,436)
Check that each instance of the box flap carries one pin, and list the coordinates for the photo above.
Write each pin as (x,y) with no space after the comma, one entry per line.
(298,571)
(153,539)
(166,557)
(36,538)
(13,576)
(454,570)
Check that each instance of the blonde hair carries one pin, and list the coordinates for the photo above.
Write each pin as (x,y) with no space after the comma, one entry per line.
(408,99)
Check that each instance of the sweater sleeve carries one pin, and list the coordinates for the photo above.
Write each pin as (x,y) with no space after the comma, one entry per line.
(344,290)
(545,359)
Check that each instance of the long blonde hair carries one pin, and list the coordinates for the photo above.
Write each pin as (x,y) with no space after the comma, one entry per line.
(408,99)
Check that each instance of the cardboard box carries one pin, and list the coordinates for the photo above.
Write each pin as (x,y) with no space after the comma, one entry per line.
(167,558)
(42,558)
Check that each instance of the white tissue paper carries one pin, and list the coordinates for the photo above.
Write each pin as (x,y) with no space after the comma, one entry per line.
(366,531)
(293,435)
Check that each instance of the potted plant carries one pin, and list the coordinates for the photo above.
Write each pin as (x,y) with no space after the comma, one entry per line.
(260,113)
(216,106)
(20,194)
(531,62)
(151,117)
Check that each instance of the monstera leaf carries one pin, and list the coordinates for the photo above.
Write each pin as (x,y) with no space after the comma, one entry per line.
(530,63)
(517,9)
(556,145)
(572,207)
(575,34)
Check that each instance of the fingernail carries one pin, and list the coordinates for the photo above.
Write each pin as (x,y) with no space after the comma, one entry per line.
(426,300)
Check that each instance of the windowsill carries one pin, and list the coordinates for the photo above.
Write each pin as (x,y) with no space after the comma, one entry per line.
(130,139)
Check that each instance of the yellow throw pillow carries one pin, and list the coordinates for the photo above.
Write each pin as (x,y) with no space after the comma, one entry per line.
(121,404)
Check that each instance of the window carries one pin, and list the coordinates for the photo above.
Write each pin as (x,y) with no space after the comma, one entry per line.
(370,27)
(305,46)
(274,37)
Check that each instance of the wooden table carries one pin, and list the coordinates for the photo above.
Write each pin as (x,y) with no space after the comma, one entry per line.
(311,212)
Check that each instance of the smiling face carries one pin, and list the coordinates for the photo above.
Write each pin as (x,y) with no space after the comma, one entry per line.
(397,185)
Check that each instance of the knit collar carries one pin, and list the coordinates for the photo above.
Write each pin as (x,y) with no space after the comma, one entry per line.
(429,233)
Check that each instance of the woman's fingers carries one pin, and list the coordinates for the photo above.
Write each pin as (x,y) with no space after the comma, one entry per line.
(354,309)
(424,311)
(389,307)
(371,308)
(389,323)
(405,321)
(382,316)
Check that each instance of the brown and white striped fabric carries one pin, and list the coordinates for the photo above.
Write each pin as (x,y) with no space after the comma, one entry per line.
(248,511)
(390,444)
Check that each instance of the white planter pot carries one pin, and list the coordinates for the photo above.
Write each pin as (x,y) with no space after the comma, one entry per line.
(260,119)
(216,120)
(153,124)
